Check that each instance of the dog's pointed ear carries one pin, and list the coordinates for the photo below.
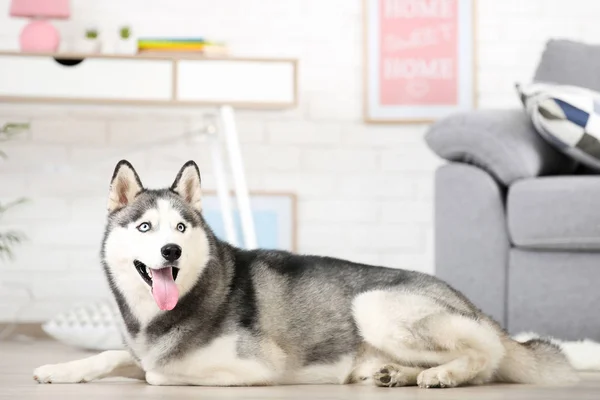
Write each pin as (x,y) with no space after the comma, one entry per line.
(187,184)
(124,186)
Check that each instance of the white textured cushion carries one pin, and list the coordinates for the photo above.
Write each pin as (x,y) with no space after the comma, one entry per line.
(93,326)
(568,117)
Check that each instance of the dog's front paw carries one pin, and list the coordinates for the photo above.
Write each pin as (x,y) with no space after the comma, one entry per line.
(157,379)
(58,373)
(438,377)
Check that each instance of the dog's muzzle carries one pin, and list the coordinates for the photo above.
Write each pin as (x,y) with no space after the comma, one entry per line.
(146,273)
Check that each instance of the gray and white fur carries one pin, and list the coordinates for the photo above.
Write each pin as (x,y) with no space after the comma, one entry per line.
(199,311)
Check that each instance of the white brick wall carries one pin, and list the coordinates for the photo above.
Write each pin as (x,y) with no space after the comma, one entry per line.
(365,191)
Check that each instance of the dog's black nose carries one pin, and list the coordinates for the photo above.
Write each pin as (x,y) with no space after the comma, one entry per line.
(171,252)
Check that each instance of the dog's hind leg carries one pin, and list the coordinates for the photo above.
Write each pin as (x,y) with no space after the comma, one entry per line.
(109,364)
(416,331)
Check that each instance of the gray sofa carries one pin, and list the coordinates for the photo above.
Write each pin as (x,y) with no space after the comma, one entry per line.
(517,224)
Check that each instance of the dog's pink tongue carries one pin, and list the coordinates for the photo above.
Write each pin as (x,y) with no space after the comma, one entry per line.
(164,290)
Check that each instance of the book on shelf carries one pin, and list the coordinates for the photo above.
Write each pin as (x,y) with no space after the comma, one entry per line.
(172,46)
(209,52)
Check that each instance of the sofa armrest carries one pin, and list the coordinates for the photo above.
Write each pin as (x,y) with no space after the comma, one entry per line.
(471,239)
(502,142)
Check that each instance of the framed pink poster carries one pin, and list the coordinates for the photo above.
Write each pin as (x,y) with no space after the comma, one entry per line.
(419,59)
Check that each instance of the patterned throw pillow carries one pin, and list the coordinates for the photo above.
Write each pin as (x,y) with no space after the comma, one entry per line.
(568,117)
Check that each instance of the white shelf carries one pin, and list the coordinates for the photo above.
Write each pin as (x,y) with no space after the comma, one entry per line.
(149,80)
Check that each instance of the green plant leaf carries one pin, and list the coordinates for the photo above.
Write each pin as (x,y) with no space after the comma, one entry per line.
(125,32)
(15,127)
(7,241)
(4,207)
(91,34)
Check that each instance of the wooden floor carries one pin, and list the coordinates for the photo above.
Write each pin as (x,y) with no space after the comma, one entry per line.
(18,359)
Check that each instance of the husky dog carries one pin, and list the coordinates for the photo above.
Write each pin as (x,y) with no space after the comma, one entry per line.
(199,311)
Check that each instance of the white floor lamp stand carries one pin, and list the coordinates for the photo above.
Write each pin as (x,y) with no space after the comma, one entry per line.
(226,131)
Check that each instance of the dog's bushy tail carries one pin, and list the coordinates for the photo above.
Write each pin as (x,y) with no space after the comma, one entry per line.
(536,361)
(584,355)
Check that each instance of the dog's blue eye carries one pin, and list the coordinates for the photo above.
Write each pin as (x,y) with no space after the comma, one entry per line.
(181,227)
(144,227)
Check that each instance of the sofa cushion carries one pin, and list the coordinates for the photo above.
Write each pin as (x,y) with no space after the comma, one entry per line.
(555,213)
(568,117)
(502,142)
(567,62)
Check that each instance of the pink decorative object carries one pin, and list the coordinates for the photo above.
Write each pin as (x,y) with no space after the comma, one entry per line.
(40,35)
(419,54)
(419,59)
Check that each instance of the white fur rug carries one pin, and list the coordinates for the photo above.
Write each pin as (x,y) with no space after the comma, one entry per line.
(584,355)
